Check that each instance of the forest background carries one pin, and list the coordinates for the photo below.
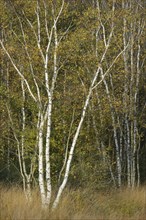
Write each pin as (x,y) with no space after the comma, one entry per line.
(72,96)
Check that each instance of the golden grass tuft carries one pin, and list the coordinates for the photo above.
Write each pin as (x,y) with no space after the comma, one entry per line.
(78,204)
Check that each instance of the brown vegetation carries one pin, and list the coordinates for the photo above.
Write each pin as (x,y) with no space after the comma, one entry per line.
(76,205)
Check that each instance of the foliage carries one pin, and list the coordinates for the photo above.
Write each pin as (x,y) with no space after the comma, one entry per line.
(116,110)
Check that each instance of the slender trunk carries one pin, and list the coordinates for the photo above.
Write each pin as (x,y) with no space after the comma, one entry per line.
(41,162)
(8,152)
(138,167)
(126,100)
(134,153)
(48,174)
(128,151)
(28,189)
(66,150)
(133,141)
(137,139)
(27,176)
(61,188)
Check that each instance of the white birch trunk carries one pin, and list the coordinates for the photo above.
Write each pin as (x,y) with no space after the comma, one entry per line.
(128,154)
(138,167)
(8,91)
(135,111)
(27,177)
(47,153)
(41,162)
(67,170)
(93,86)
(125,101)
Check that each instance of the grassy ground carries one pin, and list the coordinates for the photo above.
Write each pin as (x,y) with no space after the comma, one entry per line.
(76,205)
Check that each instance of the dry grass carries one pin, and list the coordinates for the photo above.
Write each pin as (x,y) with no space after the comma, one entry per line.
(76,205)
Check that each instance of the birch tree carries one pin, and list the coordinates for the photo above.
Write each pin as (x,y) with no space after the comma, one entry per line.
(44,110)
(49,42)
(131,65)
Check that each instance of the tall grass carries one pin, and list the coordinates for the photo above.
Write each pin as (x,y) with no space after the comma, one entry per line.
(76,205)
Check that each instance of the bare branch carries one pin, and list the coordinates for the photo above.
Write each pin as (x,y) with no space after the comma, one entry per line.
(36,37)
(114,61)
(18,71)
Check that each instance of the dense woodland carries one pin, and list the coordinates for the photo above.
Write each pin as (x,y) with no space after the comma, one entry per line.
(72,95)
